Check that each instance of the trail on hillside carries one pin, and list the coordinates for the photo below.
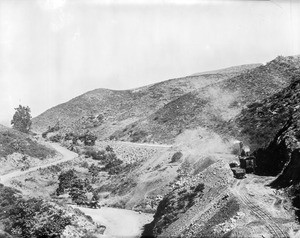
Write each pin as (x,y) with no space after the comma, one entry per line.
(142,144)
(66,156)
(246,189)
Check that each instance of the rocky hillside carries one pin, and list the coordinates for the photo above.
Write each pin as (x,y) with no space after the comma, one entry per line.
(214,104)
(272,127)
(105,111)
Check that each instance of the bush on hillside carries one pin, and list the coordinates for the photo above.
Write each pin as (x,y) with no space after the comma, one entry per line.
(94,154)
(88,139)
(54,128)
(28,219)
(176,157)
(65,180)
(112,164)
(138,136)
(94,170)
(55,138)
(76,187)
(109,149)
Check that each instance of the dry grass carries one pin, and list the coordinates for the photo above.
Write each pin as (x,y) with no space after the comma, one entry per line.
(12,141)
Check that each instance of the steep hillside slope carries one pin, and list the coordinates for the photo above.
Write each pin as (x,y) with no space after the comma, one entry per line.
(272,127)
(18,150)
(104,111)
(214,104)
(12,141)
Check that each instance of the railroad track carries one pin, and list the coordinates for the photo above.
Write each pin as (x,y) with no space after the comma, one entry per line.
(271,225)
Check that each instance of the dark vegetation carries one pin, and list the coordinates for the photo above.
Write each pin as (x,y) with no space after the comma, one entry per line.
(87,138)
(77,188)
(22,119)
(107,158)
(176,157)
(54,128)
(32,218)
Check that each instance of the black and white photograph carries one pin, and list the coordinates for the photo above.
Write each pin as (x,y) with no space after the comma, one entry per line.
(149,118)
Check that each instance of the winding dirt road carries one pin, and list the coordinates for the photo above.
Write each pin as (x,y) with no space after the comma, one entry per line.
(246,194)
(66,156)
(118,222)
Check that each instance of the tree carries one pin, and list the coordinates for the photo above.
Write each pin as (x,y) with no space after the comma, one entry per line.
(22,119)
(65,181)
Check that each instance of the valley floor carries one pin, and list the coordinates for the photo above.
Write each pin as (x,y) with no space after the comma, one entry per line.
(119,222)
(265,212)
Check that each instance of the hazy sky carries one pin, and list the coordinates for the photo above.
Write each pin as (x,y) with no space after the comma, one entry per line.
(52,51)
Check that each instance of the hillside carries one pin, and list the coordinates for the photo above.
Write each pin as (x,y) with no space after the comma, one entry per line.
(35,217)
(214,104)
(105,111)
(272,127)
(18,150)
(213,204)
(186,179)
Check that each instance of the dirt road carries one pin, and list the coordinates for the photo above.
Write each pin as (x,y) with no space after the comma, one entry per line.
(66,155)
(119,222)
(264,203)
(139,144)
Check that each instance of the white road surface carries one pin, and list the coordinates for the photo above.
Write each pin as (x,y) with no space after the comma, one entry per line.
(119,222)
(67,155)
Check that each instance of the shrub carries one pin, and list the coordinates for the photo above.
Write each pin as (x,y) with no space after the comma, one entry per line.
(199,188)
(55,138)
(109,159)
(90,152)
(27,218)
(176,157)
(78,192)
(88,139)
(94,170)
(54,128)
(138,135)
(109,149)
(65,181)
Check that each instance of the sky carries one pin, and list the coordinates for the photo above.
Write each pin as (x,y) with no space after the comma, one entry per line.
(54,50)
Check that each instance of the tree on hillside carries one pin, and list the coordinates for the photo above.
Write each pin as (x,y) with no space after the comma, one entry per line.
(22,119)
